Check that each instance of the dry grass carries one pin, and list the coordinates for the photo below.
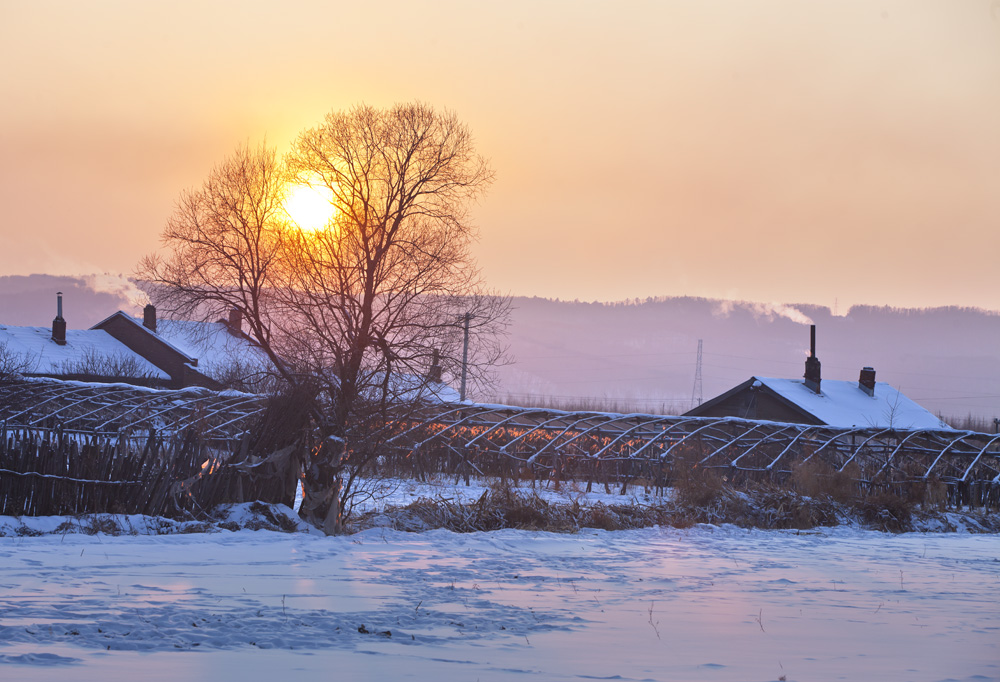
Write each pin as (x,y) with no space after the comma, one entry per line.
(816,478)
(816,496)
(885,511)
(695,485)
(101,524)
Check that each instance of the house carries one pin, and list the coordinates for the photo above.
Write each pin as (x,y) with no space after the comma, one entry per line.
(83,354)
(121,348)
(191,353)
(163,354)
(814,400)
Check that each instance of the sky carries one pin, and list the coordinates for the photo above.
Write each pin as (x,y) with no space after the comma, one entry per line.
(831,152)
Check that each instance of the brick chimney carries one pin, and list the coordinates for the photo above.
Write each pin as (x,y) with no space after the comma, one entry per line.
(235,321)
(434,373)
(812,363)
(149,317)
(59,324)
(867,381)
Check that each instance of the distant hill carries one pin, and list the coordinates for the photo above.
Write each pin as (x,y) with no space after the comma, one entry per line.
(641,355)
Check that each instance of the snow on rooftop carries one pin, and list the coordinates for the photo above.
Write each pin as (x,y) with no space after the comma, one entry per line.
(406,387)
(844,404)
(215,347)
(412,387)
(83,347)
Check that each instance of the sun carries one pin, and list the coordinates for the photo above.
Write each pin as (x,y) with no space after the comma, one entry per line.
(310,207)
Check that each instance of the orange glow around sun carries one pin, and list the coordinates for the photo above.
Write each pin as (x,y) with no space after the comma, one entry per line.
(310,207)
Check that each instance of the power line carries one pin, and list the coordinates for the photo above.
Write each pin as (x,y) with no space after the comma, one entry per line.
(602,398)
(598,355)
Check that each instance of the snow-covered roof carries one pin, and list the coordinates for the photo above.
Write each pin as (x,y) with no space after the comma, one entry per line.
(844,403)
(435,392)
(93,348)
(212,343)
(411,388)
(153,335)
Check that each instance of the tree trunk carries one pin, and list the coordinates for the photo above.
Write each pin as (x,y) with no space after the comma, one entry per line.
(321,488)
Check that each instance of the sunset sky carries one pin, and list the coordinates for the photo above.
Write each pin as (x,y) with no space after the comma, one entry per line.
(830,151)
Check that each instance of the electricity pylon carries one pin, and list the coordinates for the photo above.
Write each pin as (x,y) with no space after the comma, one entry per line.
(696,392)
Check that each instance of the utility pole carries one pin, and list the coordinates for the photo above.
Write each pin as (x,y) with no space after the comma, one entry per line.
(465,356)
(696,392)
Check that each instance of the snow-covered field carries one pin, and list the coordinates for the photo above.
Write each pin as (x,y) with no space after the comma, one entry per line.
(706,603)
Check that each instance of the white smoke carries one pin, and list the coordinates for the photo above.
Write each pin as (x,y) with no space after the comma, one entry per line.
(118,285)
(766,311)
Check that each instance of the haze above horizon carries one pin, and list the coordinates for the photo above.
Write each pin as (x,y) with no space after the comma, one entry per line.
(830,153)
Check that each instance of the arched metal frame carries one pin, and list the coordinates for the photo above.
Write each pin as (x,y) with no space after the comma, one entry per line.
(532,437)
(545,440)
(107,409)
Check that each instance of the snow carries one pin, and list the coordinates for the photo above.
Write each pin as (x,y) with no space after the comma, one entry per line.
(410,387)
(215,347)
(844,404)
(706,603)
(145,330)
(45,356)
(398,492)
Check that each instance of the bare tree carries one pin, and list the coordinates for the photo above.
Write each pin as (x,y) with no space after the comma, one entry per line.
(225,248)
(359,310)
(388,282)
(117,366)
(13,364)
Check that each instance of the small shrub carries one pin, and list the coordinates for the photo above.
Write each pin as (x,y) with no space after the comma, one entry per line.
(13,365)
(790,510)
(600,516)
(695,485)
(101,524)
(259,524)
(886,511)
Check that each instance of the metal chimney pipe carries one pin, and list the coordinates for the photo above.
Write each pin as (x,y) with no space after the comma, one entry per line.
(59,324)
(812,375)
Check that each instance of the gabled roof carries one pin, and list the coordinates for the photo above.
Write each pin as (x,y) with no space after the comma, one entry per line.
(84,348)
(151,335)
(206,349)
(213,344)
(410,387)
(844,403)
(841,403)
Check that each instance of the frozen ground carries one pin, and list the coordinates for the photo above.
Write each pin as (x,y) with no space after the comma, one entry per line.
(705,603)
(400,492)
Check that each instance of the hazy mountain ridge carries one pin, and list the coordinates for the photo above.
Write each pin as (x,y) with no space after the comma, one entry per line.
(644,352)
